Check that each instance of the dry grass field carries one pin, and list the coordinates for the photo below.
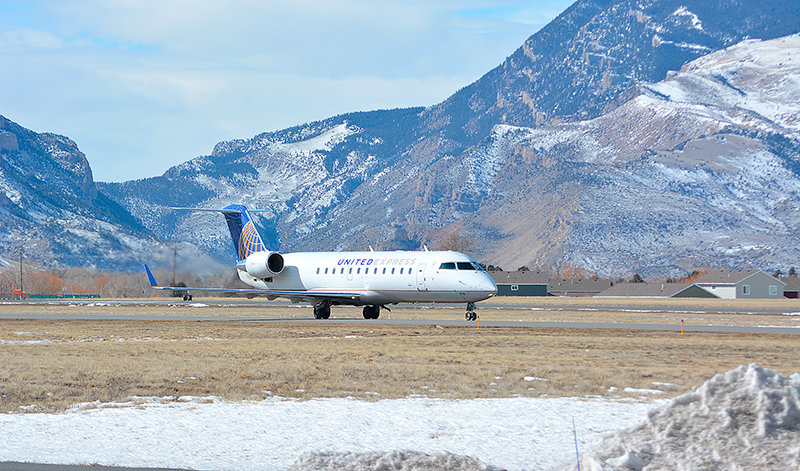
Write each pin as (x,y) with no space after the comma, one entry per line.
(57,363)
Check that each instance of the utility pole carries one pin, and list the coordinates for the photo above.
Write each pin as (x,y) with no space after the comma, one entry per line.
(174,262)
(20,271)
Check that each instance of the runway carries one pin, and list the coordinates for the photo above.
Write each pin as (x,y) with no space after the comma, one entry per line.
(495,303)
(385,319)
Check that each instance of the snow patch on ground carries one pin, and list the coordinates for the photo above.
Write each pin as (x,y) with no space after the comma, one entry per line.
(211,434)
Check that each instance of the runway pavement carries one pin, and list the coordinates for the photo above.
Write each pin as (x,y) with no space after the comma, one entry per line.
(677,327)
(494,303)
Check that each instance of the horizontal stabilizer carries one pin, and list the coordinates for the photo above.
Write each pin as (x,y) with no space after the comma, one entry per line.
(223,210)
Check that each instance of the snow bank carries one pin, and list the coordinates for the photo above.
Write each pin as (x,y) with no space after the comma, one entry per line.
(389,461)
(747,418)
(534,434)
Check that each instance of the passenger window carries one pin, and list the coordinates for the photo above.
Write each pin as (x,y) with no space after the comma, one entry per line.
(341,272)
(358,271)
(466,266)
(375,272)
(317,270)
(447,266)
(326,271)
(392,271)
(384,271)
(401,271)
(350,272)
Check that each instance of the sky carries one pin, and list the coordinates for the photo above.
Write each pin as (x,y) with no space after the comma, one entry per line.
(143,85)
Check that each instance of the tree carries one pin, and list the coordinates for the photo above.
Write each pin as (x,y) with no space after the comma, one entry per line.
(792,271)
(637,278)
(456,242)
(523,268)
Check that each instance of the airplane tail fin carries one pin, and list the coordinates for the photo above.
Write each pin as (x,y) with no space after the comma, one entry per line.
(243,232)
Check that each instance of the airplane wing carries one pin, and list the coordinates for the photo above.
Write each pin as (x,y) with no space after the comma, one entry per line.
(292,294)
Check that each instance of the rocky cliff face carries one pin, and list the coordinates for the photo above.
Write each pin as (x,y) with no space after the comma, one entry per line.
(51,209)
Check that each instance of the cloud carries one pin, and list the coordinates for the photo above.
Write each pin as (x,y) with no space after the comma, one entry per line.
(29,38)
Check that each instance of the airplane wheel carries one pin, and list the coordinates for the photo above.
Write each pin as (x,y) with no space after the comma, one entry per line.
(371,312)
(471,316)
(322,312)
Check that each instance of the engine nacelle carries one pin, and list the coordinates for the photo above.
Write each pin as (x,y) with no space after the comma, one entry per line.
(264,264)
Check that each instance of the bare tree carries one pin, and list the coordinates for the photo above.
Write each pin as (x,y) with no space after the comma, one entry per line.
(456,242)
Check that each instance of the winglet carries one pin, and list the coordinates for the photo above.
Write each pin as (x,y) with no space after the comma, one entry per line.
(153,283)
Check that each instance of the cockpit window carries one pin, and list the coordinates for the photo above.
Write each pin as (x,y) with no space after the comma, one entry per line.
(466,266)
(448,266)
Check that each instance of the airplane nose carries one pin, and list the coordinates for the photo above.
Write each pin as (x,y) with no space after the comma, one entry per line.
(489,284)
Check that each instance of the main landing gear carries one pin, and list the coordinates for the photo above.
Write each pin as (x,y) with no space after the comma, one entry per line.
(372,312)
(471,315)
(322,311)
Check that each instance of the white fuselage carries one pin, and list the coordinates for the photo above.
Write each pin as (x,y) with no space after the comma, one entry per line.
(382,277)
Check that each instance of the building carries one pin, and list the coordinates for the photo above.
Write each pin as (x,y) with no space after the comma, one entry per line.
(735,284)
(587,287)
(520,283)
(792,287)
(534,283)
(644,290)
(725,284)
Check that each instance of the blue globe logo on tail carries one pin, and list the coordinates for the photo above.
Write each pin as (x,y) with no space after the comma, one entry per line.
(243,232)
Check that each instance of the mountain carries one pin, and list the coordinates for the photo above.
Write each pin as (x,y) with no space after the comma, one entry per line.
(51,208)
(590,59)
(700,169)
(614,138)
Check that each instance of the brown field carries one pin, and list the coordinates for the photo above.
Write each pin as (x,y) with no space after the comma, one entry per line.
(57,363)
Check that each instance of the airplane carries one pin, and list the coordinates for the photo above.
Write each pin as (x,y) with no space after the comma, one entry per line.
(370,279)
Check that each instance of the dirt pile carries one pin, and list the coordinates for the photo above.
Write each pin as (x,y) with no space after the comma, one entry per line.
(389,461)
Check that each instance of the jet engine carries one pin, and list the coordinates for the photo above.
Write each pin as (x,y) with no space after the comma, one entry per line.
(263,264)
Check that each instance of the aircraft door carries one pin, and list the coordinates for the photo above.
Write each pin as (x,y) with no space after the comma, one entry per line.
(421,281)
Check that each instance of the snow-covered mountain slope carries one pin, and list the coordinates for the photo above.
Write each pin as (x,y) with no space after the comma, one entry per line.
(52,211)
(686,174)
(300,175)
(590,59)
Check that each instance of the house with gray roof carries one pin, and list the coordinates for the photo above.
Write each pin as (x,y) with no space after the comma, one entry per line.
(571,287)
(645,290)
(735,284)
(792,287)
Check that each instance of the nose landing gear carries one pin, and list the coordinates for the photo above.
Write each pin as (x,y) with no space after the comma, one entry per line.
(471,315)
